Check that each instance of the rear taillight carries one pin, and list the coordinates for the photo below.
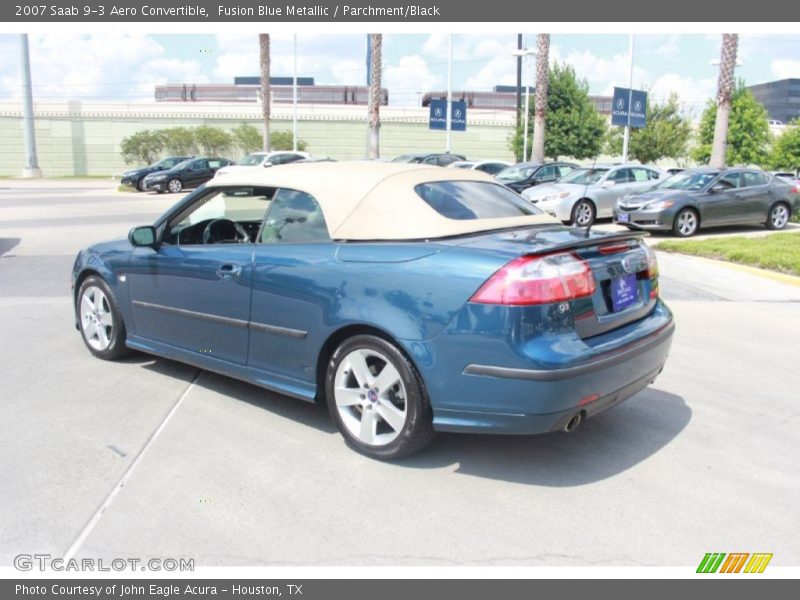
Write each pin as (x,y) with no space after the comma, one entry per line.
(652,263)
(538,280)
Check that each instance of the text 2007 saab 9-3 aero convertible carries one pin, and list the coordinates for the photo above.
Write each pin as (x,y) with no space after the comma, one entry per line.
(411,299)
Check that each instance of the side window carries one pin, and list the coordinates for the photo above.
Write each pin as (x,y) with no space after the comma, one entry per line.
(563,170)
(431,160)
(730,181)
(620,176)
(171,163)
(294,217)
(640,175)
(753,179)
(653,174)
(215,164)
(199,165)
(547,173)
(221,216)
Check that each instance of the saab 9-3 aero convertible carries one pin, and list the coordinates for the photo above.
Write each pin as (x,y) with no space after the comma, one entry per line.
(411,299)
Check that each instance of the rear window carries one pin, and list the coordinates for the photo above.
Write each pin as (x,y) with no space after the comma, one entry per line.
(470,200)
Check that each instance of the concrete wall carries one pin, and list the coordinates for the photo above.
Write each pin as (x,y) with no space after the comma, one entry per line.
(75,139)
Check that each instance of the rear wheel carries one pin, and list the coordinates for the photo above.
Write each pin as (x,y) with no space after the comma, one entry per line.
(686,223)
(102,327)
(174,185)
(583,213)
(377,399)
(778,216)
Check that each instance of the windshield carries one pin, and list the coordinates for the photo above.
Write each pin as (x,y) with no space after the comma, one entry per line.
(183,164)
(687,181)
(164,162)
(584,176)
(252,160)
(516,173)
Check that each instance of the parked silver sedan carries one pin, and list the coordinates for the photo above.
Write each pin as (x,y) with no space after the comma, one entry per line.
(591,192)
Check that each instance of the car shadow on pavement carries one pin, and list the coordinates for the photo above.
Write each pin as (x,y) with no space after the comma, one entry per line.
(604,446)
(7,244)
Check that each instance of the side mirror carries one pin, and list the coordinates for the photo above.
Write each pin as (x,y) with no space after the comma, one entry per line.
(717,188)
(143,236)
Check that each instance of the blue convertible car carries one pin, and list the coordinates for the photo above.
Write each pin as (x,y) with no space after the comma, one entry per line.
(410,299)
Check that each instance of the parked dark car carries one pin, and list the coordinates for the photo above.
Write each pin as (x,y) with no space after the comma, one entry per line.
(408,299)
(438,159)
(710,197)
(187,174)
(521,176)
(135,177)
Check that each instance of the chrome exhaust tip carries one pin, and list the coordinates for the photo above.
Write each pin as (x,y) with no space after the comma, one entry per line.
(574,422)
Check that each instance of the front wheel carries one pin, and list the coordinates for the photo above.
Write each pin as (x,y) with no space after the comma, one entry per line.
(686,223)
(174,185)
(778,216)
(377,399)
(102,327)
(583,213)
(141,185)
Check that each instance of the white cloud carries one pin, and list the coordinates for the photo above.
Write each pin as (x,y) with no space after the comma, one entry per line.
(670,47)
(601,73)
(408,80)
(784,68)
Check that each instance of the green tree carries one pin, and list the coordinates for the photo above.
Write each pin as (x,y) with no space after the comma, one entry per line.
(786,150)
(282,140)
(665,136)
(212,140)
(748,130)
(247,138)
(142,147)
(574,127)
(179,141)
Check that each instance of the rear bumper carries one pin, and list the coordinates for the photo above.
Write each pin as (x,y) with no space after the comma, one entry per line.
(517,395)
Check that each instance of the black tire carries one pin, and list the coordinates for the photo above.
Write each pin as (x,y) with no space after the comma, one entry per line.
(417,430)
(778,216)
(175,186)
(686,223)
(583,213)
(115,332)
(140,185)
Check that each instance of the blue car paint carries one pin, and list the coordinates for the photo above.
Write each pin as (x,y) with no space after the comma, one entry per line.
(290,298)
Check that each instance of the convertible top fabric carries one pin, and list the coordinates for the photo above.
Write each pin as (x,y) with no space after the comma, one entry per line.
(364,200)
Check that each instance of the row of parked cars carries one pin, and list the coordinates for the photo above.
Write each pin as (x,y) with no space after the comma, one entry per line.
(634,195)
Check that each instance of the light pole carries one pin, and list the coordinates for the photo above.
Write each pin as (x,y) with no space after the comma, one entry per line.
(626,138)
(31,161)
(449,92)
(294,98)
(526,53)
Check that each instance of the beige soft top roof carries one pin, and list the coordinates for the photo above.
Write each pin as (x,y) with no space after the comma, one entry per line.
(364,200)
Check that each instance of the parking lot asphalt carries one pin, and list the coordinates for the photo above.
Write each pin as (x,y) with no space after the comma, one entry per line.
(151,458)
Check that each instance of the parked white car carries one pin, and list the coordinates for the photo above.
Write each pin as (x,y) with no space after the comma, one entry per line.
(492,167)
(255,160)
(591,192)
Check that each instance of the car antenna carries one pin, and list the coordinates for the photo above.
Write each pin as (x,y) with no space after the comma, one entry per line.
(585,190)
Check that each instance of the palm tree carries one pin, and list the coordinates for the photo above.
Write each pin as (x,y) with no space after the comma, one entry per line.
(730,44)
(263,42)
(376,44)
(540,101)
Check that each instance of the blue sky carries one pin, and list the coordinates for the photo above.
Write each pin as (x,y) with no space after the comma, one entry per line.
(125,67)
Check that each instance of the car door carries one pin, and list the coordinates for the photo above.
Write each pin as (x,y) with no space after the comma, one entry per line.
(613,186)
(196,173)
(546,174)
(294,288)
(193,291)
(719,203)
(754,198)
(214,165)
(643,180)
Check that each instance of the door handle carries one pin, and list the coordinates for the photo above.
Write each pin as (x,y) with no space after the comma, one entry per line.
(229,271)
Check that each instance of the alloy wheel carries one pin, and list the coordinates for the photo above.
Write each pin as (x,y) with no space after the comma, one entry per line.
(175,186)
(583,214)
(687,223)
(97,322)
(779,216)
(370,397)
